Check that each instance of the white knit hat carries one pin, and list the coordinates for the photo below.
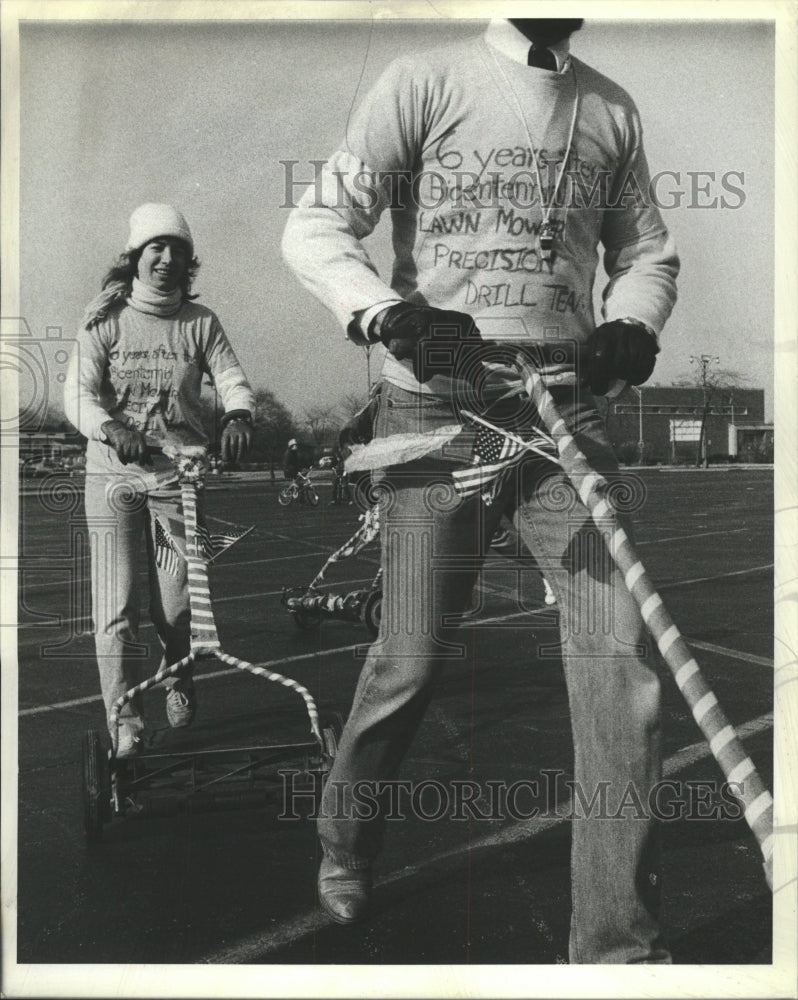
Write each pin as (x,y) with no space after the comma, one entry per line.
(150,221)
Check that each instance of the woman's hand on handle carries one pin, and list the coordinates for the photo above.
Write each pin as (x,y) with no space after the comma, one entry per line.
(236,436)
(128,443)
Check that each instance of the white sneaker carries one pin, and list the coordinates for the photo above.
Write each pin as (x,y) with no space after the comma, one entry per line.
(128,744)
(181,704)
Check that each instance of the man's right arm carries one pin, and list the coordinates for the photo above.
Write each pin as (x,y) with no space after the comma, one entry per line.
(322,242)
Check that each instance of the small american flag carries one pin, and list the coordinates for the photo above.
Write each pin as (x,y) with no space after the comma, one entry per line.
(167,556)
(493,454)
(214,543)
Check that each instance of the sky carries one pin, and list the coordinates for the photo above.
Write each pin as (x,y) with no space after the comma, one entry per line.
(201,115)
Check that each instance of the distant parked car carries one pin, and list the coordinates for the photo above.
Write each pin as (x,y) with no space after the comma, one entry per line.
(38,468)
(78,466)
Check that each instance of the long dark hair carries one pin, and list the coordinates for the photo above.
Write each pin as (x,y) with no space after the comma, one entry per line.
(118,284)
(126,268)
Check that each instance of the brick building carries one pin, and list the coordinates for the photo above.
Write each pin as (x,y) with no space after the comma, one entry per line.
(663,424)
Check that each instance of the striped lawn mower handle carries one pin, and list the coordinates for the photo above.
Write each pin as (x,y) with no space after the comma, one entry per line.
(270,675)
(593,489)
(203,625)
(119,704)
(175,668)
(204,638)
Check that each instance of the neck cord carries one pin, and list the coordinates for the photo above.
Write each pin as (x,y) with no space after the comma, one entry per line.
(546,231)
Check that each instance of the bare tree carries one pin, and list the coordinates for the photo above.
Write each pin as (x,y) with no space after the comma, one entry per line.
(274,425)
(716,386)
(320,422)
(352,403)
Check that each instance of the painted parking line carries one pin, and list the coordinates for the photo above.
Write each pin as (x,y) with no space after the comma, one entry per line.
(716,576)
(307,541)
(699,534)
(86,620)
(320,654)
(734,654)
(258,946)
(210,675)
(271,593)
(36,587)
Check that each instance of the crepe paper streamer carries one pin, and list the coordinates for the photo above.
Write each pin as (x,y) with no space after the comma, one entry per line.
(204,639)
(738,768)
(396,449)
(365,535)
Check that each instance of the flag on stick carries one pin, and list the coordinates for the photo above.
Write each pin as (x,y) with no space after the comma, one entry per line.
(494,453)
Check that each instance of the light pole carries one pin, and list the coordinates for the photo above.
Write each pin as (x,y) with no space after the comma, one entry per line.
(640,442)
(733,435)
(704,360)
(212,385)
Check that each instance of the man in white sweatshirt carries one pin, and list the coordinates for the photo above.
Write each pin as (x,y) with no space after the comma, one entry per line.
(505,163)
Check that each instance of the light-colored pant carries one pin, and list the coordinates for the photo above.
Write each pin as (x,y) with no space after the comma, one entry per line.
(433,544)
(122,537)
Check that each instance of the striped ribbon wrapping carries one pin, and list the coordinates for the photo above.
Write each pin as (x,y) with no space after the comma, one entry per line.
(593,489)
(204,638)
(365,535)
(270,675)
(203,625)
(177,668)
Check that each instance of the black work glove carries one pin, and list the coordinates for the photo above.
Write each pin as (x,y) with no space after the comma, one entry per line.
(236,436)
(438,341)
(128,443)
(620,350)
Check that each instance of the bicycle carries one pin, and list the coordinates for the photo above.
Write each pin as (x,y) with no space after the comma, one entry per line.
(300,489)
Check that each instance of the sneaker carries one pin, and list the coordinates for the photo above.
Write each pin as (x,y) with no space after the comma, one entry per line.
(181,704)
(128,744)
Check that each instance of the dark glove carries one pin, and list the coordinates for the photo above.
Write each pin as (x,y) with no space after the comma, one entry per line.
(129,444)
(236,436)
(620,350)
(438,341)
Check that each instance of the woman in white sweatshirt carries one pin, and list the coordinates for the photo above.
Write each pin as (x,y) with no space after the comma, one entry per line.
(133,383)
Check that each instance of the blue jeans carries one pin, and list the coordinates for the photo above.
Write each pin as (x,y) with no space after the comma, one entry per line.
(122,538)
(433,543)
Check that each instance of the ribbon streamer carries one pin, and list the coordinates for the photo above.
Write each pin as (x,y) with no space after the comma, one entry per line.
(738,768)
(204,639)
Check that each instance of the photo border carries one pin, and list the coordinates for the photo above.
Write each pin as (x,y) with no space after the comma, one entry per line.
(778,979)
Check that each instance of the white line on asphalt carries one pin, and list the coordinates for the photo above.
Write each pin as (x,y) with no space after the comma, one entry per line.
(269,593)
(682,538)
(269,665)
(30,588)
(257,946)
(734,654)
(717,576)
(275,664)
(217,600)
(34,587)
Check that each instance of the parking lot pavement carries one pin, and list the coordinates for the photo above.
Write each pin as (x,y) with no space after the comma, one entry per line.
(237,886)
